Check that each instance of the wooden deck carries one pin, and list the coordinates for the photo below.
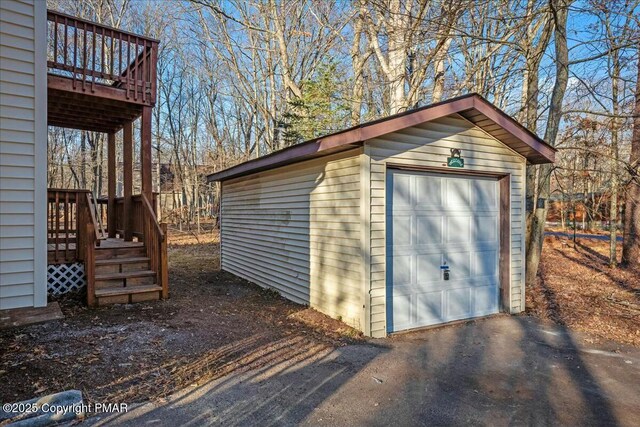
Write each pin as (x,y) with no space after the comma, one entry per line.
(102,79)
(99,78)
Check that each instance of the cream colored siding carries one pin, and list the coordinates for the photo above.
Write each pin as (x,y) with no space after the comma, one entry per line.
(429,145)
(22,154)
(297,229)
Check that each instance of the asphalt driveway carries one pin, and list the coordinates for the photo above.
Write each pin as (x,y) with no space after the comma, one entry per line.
(498,371)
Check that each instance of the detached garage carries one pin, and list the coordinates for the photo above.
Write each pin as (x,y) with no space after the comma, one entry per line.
(409,221)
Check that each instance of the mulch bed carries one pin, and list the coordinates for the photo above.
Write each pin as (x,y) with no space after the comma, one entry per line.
(577,288)
(213,324)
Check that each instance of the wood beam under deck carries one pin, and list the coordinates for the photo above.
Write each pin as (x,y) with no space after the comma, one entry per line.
(145,148)
(111,184)
(127,178)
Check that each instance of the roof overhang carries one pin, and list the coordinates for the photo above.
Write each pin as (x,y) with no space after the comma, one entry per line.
(472,107)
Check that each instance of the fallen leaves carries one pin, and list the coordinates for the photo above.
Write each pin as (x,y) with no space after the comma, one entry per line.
(577,288)
(149,350)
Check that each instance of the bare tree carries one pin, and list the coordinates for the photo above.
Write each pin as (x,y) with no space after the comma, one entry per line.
(538,215)
(631,245)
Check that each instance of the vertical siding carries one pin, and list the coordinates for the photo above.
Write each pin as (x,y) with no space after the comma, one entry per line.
(429,145)
(22,171)
(297,229)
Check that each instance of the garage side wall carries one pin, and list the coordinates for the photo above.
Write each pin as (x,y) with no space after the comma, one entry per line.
(297,229)
(428,145)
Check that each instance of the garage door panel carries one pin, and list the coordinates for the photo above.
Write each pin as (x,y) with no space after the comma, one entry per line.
(402,228)
(413,250)
(457,192)
(401,305)
(402,268)
(429,229)
(429,309)
(486,228)
(402,190)
(428,268)
(458,304)
(435,220)
(458,228)
(484,263)
(429,193)
(459,263)
(485,301)
(485,195)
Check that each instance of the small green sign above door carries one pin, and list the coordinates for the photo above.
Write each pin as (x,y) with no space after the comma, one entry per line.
(455,161)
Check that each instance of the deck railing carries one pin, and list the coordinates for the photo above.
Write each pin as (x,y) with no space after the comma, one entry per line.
(135,215)
(91,53)
(68,212)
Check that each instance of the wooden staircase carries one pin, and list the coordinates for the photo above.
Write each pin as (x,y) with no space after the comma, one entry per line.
(124,272)
(123,275)
(117,271)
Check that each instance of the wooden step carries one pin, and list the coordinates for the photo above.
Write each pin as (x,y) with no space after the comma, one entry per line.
(128,295)
(127,252)
(125,275)
(121,265)
(132,260)
(129,290)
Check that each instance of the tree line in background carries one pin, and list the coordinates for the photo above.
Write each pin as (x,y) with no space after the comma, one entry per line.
(240,79)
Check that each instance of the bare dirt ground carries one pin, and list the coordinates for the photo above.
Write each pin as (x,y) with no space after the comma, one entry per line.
(577,288)
(213,323)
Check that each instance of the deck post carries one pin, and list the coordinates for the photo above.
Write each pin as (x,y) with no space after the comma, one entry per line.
(145,148)
(111,184)
(127,175)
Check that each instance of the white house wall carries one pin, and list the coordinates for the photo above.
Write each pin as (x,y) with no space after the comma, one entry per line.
(23,164)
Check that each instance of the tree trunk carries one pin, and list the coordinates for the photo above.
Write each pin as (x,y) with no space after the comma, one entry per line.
(535,238)
(358,60)
(397,58)
(613,205)
(631,244)
(531,89)
(439,68)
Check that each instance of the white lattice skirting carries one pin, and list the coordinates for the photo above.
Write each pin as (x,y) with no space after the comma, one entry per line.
(63,278)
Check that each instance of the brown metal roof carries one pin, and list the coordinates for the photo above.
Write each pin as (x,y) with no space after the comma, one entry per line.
(472,107)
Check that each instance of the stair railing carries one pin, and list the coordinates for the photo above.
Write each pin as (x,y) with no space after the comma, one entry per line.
(92,238)
(97,215)
(98,231)
(155,242)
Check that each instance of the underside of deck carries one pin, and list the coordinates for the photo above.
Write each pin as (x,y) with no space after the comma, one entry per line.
(99,78)
(91,111)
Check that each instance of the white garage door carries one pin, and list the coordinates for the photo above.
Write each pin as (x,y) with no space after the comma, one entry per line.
(438,223)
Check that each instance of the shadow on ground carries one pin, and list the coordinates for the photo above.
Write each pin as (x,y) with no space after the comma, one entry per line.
(498,371)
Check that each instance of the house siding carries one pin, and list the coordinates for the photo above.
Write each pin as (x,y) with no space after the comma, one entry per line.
(297,229)
(22,160)
(428,145)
